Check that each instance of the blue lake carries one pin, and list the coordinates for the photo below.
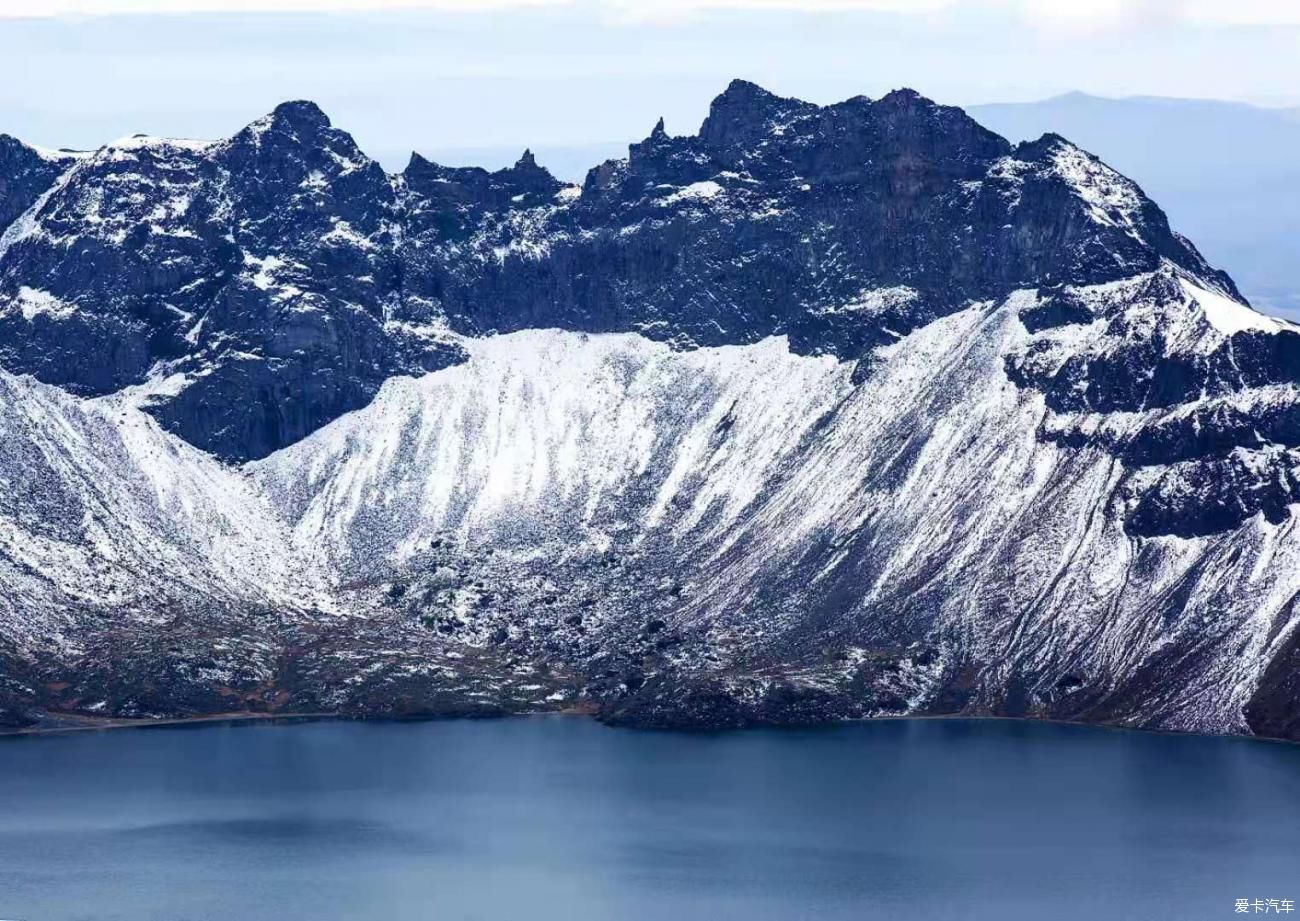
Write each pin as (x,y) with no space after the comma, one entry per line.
(561,818)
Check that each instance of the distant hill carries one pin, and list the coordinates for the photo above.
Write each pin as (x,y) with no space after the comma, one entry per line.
(1228,174)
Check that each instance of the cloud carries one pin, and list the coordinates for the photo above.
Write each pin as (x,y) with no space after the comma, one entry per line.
(1244,12)
(621,8)
(57,8)
(1049,15)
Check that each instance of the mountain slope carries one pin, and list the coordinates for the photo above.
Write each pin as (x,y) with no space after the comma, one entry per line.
(747,525)
(117,539)
(822,412)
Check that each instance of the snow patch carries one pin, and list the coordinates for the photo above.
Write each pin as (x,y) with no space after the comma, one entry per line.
(148,142)
(1229,316)
(343,233)
(874,301)
(34,302)
(696,191)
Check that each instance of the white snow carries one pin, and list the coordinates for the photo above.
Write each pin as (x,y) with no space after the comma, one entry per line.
(264,277)
(343,233)
(348,164)
(147,142)
(1111,199)
(544,417)
(33,302)
(739,458)
(160,383)
(28,224)
(874,301)
(149,521)
(60,156)
(696,191)
(266,267)
(1229,316)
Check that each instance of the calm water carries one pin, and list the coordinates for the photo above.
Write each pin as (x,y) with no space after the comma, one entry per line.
(560,818)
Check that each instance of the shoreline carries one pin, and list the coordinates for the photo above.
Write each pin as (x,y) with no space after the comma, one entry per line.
(79,723)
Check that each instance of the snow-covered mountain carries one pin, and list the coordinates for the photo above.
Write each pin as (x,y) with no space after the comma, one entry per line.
(820,412)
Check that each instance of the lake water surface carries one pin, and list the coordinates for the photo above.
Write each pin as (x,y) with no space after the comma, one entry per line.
(561,818)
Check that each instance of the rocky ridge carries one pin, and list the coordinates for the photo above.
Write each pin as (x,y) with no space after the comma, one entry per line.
(820,412)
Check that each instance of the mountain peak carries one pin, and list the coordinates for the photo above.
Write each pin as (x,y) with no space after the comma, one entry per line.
(300,113)
(417,161)
(904,93)
(744,89)
(905,98)
(1043,145)
(743,112)
(763,170)
(11,146)
(528,176)
(296,118)
(656,144)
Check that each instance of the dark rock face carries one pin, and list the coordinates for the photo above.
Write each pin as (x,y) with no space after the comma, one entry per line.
(1217,494)
(779,213)
(450,203)
(285,276)
(1272,710)
(25,173)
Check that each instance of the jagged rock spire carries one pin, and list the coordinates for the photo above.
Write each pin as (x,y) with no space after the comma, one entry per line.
(656,141)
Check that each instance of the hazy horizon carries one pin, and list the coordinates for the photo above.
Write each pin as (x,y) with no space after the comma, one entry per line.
(551,73)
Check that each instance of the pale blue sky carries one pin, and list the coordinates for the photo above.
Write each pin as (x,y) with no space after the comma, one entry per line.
(571,73)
